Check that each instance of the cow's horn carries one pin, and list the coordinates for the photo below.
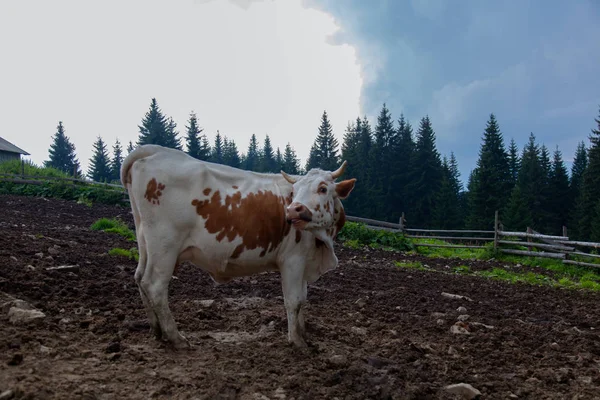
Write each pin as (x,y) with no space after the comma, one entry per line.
(288,178)
(337,173)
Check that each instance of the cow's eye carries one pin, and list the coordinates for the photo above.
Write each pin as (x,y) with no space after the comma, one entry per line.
(322,189)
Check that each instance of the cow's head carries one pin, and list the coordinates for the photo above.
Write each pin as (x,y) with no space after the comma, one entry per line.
(314,198)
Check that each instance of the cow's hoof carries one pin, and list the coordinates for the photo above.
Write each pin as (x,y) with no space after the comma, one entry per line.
(181,343)
(299,342)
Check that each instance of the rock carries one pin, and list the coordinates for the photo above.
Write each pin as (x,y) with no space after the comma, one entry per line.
(456,296)
(7,395)
(30,267)
(39,255)
(461,309)
(279,393)
(358,331)
(16,303)
(205,303)
(513,396)
(45,350)
(463,389)
(360,302)
(114,347)
(53,251)
(14,258)
(533,380)
(377,362)
(482,325)
(338,360)
(555,346)
(438,315)
(16,359)
(459,328)
(440,322)
(20,316)
(463,317)
(64,268)
(114,356)
(452,351)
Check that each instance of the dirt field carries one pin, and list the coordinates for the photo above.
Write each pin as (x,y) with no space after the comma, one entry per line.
(375,331)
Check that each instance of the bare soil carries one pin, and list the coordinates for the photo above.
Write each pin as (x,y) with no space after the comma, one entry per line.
(375,331)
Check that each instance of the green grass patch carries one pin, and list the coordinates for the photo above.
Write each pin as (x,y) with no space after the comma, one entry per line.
(113,225)
(412,265)
(30,169)
(85,193)
(448,252)
(513,277)
(132,253)
(357,235)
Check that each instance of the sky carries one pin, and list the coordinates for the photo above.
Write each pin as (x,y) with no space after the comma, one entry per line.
(273,66)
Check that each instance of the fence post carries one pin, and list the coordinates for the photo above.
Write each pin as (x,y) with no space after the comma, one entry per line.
(496,230)
(401,222)
(22,168)
(565,231)
(530,231)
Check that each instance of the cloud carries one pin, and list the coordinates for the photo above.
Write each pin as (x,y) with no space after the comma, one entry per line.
(260,67)
(526,62)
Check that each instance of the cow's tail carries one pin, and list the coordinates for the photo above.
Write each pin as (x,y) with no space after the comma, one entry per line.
(141,152)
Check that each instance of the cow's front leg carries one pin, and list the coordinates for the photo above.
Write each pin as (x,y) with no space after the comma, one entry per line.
(302,309)
(294,295)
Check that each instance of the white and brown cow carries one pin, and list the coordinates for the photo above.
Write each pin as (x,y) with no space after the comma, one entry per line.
(230,223)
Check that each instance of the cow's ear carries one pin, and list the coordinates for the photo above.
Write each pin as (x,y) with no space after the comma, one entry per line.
(344,188)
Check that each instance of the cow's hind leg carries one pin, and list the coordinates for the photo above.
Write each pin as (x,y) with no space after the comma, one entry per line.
(139,274)
(162,257)
(292,280)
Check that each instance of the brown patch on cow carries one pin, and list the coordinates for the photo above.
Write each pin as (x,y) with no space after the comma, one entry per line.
(288,199)
(259,219)
(328,206)
(154,191)
(234,186)
(206,191)
(318,207)
(298,236)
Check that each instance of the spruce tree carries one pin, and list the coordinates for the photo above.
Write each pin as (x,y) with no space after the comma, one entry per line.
(117,161)
(252,159)
(518,215)
(578,168)
(355,165)
(426,176)
(381,155)
(446,211)
(205,150)
(153,129)
(193,136)
(514,162)
(291,163)
(591,188)
(231,156)
(278,160)
(362,197)
(267,157)
(172,139)
(99,170)
(324,152)
(559,203)
(129,147)
(493,174)
(62,153)
(401,152)
(217,150)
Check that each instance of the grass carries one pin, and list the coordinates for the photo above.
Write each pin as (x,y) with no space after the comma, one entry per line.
(412,265)
(31,169)
(132,253)
(447,252)
(113,225)
(356,235)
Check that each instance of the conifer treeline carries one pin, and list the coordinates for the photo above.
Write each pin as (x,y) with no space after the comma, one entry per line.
(400,170)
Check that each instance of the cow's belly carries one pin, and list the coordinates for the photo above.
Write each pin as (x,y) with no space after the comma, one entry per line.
(222,268)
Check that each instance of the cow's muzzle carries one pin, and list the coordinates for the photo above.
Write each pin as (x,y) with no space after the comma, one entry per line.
(298,215)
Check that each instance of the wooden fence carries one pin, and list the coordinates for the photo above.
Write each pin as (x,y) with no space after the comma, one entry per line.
(557,247)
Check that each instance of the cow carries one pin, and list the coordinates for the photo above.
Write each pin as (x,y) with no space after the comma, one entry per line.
(230,223)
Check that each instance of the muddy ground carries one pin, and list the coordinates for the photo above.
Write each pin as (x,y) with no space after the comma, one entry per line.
(375,330)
